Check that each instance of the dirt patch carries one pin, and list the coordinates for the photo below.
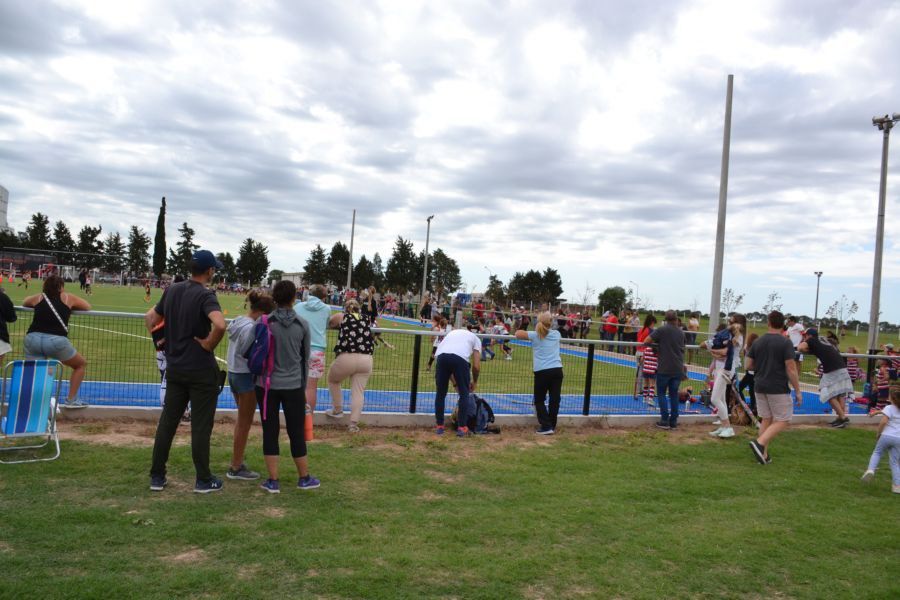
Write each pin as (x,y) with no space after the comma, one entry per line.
(274,512)
(5,548)
(429,496)
(124,432)
(188,557)
(442,477)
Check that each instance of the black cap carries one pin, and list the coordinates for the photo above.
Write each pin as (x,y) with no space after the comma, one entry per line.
(206,260)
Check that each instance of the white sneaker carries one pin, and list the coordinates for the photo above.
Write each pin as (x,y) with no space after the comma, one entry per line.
(895,489)
(508,357)
(334,415)
(869,475)
(353,428)
(717,422)
(726,432)
(716,432)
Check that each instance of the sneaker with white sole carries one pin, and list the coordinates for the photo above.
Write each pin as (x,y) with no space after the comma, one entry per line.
(717,422)
(726,432)
(308,483)
(75,403)
(213,484)
(242,473)
(895,489)
(271,486)
(331,414)
(353,428)
(868,476)
(158,483)
(715,432)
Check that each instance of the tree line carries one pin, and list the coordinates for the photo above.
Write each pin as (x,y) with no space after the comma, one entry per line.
(112,253)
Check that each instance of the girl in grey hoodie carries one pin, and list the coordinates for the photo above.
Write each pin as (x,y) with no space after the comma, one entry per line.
(287,388)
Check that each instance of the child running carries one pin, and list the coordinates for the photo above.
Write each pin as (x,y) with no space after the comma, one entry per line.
(438,324)
(887,439)
(147,292)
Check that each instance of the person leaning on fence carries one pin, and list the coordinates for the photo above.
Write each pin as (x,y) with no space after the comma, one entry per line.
(194,326)
(241,333)
(548,371)
(316,313)
(287,388)
(48,335)
(354,361)
(835,383)
(668,342)
(771,358)
(459,347)
(7,315)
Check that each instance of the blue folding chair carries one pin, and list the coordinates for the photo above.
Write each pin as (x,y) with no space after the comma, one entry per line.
(28,407)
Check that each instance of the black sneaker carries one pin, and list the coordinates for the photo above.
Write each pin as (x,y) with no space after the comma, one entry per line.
(836,423)
(843,424)
(213,484)
(662,425)
(158,483)
(543,431)
(759,451)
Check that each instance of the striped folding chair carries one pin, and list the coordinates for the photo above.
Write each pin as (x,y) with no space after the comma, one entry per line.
(28,408)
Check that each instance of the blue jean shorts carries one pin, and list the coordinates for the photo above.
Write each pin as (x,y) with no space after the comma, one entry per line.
(240,383)
(46,345)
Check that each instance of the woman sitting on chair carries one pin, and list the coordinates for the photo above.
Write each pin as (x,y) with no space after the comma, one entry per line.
(48,336)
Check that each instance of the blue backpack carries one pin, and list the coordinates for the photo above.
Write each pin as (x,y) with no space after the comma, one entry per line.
(261,356)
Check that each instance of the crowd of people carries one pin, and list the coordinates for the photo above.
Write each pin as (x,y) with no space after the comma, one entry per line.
(187,324)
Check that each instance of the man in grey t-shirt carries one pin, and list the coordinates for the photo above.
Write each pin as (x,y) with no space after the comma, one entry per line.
(669,343)
(771,357)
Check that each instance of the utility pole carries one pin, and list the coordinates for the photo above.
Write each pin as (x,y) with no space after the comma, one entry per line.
(425,266)
(350,265)
(818,275)
(716,298)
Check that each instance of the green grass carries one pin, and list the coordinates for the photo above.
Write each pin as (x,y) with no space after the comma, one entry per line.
(400,515)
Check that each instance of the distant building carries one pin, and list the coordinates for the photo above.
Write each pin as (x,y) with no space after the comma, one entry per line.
(295,278)
(4,207)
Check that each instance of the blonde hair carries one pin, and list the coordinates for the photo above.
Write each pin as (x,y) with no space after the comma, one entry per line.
(544,321)
(351,305)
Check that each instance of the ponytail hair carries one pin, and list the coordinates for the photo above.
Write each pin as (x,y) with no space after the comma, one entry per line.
(261,301)
(544,322)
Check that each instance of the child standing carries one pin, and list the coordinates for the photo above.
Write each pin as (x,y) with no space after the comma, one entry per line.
(882,387)
(888,440)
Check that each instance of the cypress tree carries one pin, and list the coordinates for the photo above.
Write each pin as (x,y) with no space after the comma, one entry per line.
(159,242)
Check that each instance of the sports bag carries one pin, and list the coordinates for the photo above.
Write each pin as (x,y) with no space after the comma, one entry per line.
(261,356)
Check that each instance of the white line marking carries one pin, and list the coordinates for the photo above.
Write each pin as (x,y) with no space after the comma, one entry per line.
(140,337)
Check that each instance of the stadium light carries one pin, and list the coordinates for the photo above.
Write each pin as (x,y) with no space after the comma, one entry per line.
(885,124)
(818,275)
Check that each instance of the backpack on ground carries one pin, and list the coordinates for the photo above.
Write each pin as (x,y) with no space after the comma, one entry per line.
(480,416)
(261,356)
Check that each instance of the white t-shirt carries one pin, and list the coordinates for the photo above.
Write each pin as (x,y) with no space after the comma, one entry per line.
(893,427)
(460,342)
(795,332)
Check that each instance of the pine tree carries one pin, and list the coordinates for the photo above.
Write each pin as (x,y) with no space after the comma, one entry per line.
(159,241)
(337,263)
(253,262)
(403,267)
(38,232)
(89,248)
(316,269)
(179,262)
(138,262)
(63,242)
(113,253)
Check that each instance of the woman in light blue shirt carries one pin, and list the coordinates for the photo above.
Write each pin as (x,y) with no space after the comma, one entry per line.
(548,372)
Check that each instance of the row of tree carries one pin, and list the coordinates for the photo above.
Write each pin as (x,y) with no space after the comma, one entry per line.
(403,272)
(113,254)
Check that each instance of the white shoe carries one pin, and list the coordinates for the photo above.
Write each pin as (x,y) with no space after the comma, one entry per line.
(334,415)
(716,432)
(895,489)
(869,475)
(717,422)
(353,428)
(726,432)
(508,357)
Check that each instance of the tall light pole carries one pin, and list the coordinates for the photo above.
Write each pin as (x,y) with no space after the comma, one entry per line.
(716,298)
(637,295)
(885,124)
(350,265)
(818,275)
(425,266)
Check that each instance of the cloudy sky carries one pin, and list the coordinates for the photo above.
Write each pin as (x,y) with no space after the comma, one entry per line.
(583,135)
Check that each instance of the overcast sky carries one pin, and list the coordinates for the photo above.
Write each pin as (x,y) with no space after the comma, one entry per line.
(582,135)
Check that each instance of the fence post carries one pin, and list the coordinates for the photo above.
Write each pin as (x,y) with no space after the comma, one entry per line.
(414,384)
(588,380)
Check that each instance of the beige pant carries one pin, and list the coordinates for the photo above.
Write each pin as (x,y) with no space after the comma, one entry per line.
(719,395)
(358,367)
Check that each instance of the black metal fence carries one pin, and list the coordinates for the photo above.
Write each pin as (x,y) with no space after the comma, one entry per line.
(601,378)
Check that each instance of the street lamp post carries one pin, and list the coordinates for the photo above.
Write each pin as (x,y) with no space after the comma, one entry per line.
(637,295)
(425,266)
(818,275)
(884,124)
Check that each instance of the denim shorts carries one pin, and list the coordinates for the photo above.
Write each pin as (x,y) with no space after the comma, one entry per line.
(46,345)
(240,383)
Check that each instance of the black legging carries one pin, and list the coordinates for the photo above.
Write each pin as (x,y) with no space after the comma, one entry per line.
(547,381)
(293,402)
(747,383)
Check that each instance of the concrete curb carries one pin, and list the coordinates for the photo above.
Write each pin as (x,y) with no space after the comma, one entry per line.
(381,419)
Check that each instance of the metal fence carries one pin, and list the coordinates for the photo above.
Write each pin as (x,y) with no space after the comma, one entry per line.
(600,377)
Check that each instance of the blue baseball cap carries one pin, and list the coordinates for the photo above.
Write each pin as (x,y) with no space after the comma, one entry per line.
(812,332)
(206,260)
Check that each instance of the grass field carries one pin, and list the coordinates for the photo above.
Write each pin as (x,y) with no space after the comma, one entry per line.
(120,350)
(401,514)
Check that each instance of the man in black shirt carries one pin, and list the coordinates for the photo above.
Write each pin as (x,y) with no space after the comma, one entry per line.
(835,382)
(194,326)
